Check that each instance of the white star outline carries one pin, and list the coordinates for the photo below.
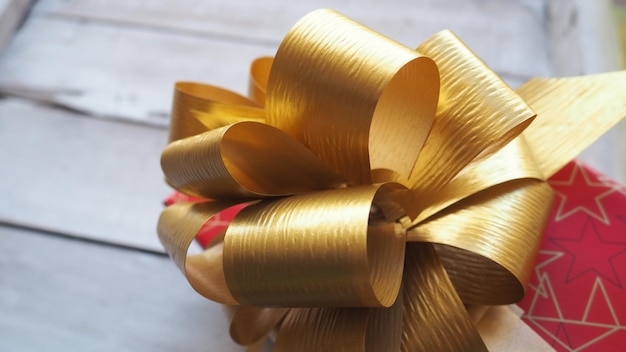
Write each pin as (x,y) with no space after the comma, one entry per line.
(609,181)
(604,218)
(545,290)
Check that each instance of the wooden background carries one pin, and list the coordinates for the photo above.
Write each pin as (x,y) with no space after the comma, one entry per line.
(86,88)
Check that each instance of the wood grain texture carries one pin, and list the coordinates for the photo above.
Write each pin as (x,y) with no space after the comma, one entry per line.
(117,72)
(64,295)
(12,12)
(120,59)
(58,294)
(490,24)
(80,176)
(98,179)
(124,66)
(505,34)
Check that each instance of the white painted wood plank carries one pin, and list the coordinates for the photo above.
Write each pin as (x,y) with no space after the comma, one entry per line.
(60,295)
(12,12)
(112,70)
(80,176)
(76,296)
(115,71)
(584,41)
(507,34)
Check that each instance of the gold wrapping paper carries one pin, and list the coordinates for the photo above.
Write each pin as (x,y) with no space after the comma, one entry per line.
(388,187)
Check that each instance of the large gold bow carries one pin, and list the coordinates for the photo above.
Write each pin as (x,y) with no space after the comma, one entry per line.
(375,172)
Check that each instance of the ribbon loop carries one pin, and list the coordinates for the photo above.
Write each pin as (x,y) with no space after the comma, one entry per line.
(178,226)
(320,249)
(514,161)
(477,114)
(370,107)
(244,160)
(259,75)
(499,231)
(197,108)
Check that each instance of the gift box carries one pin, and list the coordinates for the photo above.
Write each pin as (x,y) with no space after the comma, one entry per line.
(384,195)
(576,299)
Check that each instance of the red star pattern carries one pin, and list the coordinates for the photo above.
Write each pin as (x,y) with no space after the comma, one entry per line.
(572,200)
(576,299)
(545,315)
(585,260)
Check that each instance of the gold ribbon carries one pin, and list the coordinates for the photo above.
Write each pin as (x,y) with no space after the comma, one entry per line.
(388,187)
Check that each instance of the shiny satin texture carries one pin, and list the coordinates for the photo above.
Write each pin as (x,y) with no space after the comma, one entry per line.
(388,187)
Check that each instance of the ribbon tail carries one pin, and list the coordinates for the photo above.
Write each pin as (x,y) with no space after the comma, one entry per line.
(434,317)
(571,114)
(221,116)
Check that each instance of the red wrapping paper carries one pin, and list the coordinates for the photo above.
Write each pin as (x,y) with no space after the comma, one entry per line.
(215,225)
(576,300)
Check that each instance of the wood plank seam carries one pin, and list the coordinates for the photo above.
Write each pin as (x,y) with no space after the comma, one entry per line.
(10,224)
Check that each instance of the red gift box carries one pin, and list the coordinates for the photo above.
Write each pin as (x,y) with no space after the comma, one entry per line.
(576,299)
